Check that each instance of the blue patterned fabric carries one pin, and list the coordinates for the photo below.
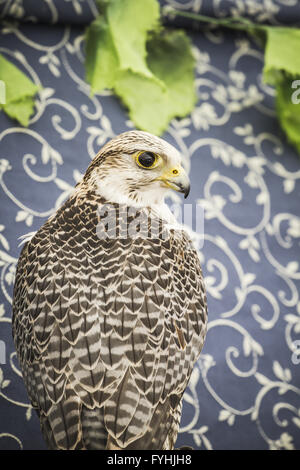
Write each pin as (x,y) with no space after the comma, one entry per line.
(283,12)
(245,390)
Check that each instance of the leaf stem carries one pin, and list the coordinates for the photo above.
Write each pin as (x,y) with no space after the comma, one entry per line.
(233,23)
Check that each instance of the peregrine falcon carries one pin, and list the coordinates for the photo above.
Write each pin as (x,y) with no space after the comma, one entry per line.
(108,324)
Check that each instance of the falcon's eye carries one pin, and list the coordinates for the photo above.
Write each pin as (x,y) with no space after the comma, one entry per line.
(147,160)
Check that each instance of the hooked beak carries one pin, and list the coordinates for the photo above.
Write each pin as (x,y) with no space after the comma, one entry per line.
(178,180)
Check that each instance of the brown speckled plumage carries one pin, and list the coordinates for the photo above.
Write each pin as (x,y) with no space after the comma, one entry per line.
(107,331)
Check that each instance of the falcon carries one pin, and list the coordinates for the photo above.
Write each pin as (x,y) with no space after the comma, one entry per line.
(108,322)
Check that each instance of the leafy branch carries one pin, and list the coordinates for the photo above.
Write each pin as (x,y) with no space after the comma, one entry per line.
(281,67)
(151,68)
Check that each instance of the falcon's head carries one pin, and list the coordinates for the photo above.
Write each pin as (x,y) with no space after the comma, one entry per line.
(137,168)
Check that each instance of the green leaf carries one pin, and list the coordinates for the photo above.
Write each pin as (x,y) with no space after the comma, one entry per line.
(20,110)
(101,64)
(129,22)
(281,53)
(170,58)
(17,84)
(150,69)
(102,6)
(171,61)
(282,66)
(116,41)
(19,92)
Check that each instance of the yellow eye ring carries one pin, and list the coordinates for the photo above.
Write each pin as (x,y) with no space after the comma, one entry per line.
(147,160)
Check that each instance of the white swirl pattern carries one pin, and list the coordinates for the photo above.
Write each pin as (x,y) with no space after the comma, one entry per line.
(245,389)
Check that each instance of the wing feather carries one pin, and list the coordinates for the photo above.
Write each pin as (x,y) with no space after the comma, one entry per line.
(106,328)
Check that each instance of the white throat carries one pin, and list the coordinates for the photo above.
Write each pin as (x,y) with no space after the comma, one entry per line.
(153,199)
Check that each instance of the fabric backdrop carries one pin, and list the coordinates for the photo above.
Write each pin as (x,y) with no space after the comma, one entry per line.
(84,11)
(245,389)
